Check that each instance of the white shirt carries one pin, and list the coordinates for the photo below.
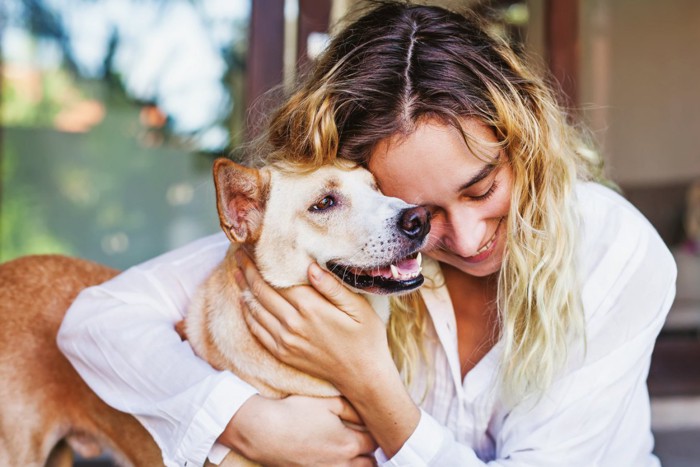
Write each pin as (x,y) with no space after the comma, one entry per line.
(119,337)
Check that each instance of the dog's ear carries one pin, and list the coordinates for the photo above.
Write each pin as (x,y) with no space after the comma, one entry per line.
(241,193)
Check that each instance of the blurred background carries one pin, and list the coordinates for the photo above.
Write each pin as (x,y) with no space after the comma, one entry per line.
(112,112)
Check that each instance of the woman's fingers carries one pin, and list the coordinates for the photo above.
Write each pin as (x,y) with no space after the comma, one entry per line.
(343,409)
(319,331)
(331,288)
(261,291)
(260,323)
(363,461)
(289,304)
(327,294)
(270,318)
(296,430)
(365,444)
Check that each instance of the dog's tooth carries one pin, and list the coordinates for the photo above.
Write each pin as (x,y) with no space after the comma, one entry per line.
(419,258)
(394,272)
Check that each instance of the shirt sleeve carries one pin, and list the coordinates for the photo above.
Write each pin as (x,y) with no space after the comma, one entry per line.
(597,413)
(120,338)
(430,444)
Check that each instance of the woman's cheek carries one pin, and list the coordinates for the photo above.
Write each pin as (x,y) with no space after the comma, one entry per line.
(434,239)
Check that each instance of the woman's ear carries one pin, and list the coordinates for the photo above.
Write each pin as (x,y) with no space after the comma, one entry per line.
(241,193)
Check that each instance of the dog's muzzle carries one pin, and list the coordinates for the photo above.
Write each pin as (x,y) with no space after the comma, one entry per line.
(401,274)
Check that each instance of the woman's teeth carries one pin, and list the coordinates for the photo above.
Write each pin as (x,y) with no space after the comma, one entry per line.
(486,247)
(489,244)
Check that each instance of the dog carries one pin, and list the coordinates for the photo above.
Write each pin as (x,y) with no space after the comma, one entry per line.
(334,215)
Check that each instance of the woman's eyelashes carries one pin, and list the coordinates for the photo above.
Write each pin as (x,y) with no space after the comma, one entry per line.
(485,195)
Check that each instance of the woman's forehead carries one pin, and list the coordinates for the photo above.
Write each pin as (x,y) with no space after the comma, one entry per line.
(437,140)
(434,161)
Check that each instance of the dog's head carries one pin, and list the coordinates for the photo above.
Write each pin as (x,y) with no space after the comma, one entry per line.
(335,216)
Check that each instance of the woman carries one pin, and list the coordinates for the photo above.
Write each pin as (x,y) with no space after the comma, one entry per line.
(531,347)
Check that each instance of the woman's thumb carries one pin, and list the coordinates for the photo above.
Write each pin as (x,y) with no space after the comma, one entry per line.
(331,288)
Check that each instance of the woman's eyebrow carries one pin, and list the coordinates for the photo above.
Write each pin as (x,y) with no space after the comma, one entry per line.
(483,173)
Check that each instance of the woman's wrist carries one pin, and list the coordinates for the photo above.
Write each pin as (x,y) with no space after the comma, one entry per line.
(235,435)
(385,406)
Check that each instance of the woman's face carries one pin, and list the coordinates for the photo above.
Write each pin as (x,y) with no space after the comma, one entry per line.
(468,198)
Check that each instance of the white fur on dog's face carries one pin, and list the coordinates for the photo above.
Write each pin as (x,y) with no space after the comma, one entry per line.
(329,215)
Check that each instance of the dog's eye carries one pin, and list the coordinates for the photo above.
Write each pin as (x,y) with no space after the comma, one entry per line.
(323,204)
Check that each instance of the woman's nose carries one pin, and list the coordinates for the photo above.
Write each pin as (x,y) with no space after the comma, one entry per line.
(464,235)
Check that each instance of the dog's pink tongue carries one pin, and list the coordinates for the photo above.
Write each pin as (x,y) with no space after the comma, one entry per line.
(408,266)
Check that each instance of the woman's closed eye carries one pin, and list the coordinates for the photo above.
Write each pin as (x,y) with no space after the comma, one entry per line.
(485,194)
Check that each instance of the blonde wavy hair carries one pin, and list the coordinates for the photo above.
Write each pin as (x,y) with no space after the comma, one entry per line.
(399,64)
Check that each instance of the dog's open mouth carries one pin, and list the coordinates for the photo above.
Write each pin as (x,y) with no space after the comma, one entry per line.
(403,276)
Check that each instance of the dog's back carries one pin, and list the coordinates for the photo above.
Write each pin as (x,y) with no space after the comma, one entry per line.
(35,293)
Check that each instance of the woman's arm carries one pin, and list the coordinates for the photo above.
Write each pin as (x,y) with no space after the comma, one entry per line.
(596,413)
(337,336)
(299,431)
(120,337)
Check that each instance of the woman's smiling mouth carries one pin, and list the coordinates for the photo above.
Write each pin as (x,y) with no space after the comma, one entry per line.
(486,250)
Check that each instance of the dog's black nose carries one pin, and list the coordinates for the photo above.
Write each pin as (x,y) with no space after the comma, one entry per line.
(415,222)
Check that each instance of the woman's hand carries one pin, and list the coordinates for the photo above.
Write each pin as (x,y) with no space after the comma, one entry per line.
(299,430)
(326,330)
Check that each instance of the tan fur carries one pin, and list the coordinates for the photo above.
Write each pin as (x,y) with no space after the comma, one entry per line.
(217,332)
(44,400)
